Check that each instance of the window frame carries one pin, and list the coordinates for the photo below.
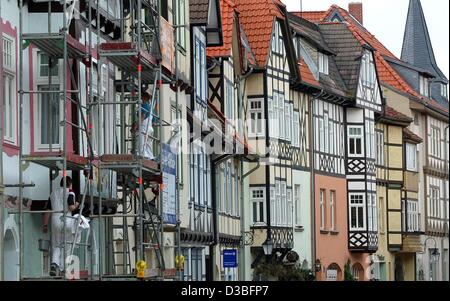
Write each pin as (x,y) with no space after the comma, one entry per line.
(358,206)
(354,136)
(332,203)
(322,204)
(297,206)
(10,118)
(181,21)
(296,129)
(380,161)
(324,62)
(411,157)
(260,203)
(256,133)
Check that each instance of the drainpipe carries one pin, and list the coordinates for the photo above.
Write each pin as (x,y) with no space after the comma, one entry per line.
(1,173)
(313,182)
(445,199)
(214,163)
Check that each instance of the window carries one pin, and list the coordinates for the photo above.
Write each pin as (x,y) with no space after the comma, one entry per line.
(380,148)
(410,214)
(435,143)
(281,122)
(333,210)
(288,120)
(181,21)
(256,128)
(282,217)
(370,140)
(323,63)
(290,211)
(381,216)
(322,209)
(434,202)
(444,91)
(297,206)
(272,205)
(411,157)
(368,71)
(326,132)
(258,205)
(9,57)
(229,106)
(277,211)
(201,79)
(372,212)
(49,116)
(357,220)
(357,272)
(200,174)
(296,130)
(416,118)
(47,67)
(321,135)
(9,105)
(424,86)
(9,90)
(355,143)
(277,40)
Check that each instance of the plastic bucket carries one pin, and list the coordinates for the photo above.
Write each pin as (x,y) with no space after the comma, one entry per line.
(44,245)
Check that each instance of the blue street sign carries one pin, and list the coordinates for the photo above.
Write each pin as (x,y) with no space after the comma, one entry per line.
(230,259)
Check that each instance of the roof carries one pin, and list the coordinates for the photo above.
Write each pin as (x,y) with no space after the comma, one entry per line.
(386,73)
(311,16)
(306,74)
(198,12)
(310,32)
(391,114)
(348,51)
(408,135)
(227,10)
(257,17)
(417,48)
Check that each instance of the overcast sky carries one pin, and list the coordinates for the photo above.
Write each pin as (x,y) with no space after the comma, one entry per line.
(386,20)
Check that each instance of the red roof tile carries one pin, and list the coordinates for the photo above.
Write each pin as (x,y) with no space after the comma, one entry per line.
(307,75)
(257,18)
(392,114)
(386,73)
(408,135)
(227,10)
(311,16)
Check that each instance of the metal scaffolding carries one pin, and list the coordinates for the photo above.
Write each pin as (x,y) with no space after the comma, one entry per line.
(136,56)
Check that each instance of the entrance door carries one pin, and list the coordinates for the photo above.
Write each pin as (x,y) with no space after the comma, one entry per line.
(11,258)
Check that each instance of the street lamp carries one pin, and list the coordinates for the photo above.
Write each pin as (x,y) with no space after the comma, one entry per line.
(435,255)
(268,247)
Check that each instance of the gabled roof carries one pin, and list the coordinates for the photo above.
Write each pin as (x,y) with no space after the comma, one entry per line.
(257,17)
(198,12)
(348,49)
(227,9)
(417,48)
(386,73)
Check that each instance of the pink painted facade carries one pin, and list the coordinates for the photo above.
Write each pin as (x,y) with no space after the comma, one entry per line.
(332,243)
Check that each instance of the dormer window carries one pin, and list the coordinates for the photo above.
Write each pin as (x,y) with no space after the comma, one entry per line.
(277,40)
(323,63)
(444,91)
(424,86)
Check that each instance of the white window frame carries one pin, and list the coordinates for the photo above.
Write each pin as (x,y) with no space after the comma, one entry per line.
(444,91)
(181,21)
(297,206)
(323,63)
(411,157)
(424,86)
(358,206)
(260,202)
(9,96)
(322,199)
(277,39)
(229,106)
(272,206)
(332,203)
(282,221)
(290,208)
(411,212)
(380,148)
(435,143)
(296,130)
(282,125)
(254,113)
(288,121)
(356,137)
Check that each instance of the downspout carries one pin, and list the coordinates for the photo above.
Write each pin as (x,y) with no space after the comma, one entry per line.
(1,171)
(313,181)
(212,253)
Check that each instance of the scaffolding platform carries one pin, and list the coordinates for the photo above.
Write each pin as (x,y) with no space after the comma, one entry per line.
(127,164)
(51,160)
(126,57)
(53,44)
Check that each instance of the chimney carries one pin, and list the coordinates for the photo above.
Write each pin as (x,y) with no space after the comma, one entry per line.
(356,10)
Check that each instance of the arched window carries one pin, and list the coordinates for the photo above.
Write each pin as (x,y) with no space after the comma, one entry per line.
(358,272)
(334,272)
